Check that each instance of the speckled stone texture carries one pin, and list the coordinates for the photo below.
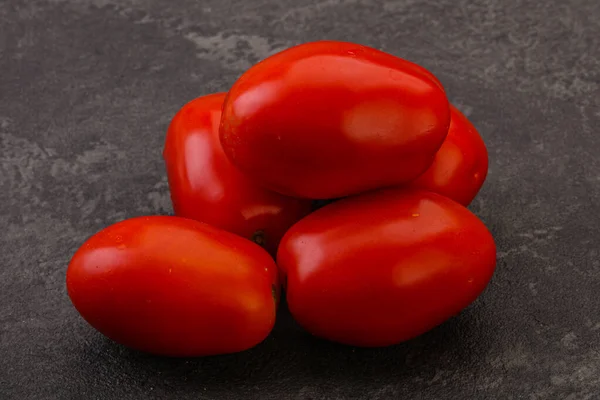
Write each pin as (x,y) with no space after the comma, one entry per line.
(87,89)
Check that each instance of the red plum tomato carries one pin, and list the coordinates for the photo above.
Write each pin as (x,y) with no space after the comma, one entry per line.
(384,267)
(205,186)
(461,164)
(175,287)
(329,119)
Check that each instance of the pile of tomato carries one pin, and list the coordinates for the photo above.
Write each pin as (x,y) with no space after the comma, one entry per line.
(394,253)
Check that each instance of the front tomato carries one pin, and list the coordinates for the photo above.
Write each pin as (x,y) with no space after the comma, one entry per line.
(205,186)
(380,268)
(329,119)
(174,286)
(460,166)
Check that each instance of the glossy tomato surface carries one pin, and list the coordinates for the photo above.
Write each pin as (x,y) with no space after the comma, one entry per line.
(329,119)
(383,267)
(205,186)
(461,164)
(174,286)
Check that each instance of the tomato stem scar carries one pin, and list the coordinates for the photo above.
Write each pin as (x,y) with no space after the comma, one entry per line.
(258,237)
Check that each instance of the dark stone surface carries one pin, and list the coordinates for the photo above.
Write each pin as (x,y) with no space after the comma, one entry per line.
(87,89)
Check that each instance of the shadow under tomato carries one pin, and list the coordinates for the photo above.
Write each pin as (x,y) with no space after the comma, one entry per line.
(294,359)
(316,204)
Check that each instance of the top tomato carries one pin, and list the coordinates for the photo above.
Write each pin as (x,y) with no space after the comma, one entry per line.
(206,187)
(329,119)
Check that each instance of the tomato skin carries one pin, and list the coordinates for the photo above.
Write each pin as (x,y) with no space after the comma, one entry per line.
(381,268)
(205,186)
(329,119)
(173,286)
(461,164)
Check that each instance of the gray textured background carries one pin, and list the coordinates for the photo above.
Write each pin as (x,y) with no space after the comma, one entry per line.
(87,89)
